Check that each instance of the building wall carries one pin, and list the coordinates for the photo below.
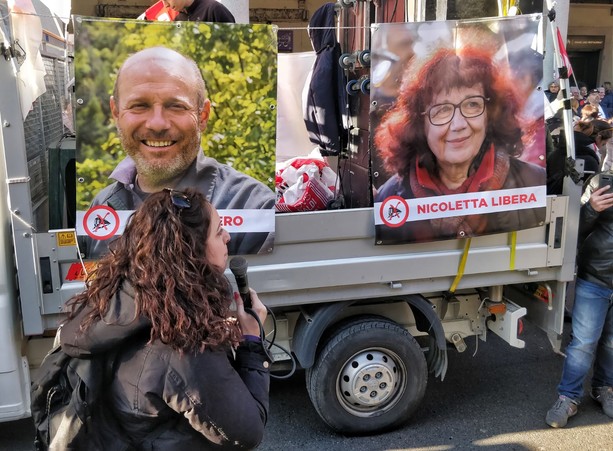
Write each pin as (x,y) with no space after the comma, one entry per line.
(297,28)
(582,20)
(88,7)
(595,20)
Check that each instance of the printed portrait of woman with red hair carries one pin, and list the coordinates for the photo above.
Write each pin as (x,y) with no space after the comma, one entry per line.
(455,128)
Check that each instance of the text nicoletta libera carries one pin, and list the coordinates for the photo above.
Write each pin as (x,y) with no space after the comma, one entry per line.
(477,203)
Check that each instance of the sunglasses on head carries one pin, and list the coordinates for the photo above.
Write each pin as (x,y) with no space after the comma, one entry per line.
(179,199)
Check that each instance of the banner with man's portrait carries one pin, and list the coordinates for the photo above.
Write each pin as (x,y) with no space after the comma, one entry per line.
(457,129)
(189,104)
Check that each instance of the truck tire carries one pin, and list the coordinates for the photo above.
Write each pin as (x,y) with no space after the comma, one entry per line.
(369,377)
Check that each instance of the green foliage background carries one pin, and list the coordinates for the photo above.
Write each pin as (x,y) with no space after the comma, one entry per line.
(239,65)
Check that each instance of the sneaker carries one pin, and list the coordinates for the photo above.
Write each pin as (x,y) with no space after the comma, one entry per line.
(604,396)
(562,410)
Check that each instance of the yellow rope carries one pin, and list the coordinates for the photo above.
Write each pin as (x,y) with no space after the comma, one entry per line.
(460,273)
(513,249)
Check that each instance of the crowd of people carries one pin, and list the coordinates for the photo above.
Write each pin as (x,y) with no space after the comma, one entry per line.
(592,112)
(590,351)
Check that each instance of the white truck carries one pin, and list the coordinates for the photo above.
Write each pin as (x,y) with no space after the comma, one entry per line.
(366,322)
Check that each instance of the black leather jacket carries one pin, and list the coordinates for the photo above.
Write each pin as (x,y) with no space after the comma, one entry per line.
(204,398)
(595,258)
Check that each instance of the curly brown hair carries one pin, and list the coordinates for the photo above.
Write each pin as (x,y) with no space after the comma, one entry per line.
(162,254)
(401,135)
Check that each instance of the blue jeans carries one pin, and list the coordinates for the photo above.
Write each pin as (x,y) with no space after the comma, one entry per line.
(592,327)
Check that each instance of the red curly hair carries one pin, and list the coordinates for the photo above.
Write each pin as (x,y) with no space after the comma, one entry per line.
(401,136)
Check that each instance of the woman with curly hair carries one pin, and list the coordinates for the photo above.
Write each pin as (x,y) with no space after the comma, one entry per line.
(455,129)
(185,366)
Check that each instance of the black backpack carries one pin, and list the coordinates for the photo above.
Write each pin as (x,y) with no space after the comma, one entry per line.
(68,405)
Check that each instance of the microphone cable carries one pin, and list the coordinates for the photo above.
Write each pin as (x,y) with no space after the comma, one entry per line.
(266,348)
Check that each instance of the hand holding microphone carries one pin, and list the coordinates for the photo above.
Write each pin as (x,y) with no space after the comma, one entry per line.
(238,266)
(250,300)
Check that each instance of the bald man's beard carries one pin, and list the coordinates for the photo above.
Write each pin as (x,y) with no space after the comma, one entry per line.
(157,172)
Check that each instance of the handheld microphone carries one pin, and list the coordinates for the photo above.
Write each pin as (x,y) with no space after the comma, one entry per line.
(238,266)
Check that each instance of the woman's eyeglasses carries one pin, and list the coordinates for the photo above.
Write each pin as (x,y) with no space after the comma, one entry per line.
(178,199)
(443,113)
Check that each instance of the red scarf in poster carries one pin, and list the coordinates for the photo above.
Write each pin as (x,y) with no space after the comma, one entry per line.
(490,175)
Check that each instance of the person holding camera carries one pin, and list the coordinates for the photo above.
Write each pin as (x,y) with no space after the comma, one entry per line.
(591,346)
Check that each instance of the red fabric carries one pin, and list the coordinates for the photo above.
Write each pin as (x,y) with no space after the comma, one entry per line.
(157,10)
(563,54)
(314,197)
(471,185)
(489,176)
(298,162)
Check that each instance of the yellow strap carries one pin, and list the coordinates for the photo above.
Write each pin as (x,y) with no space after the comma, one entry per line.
(460,273)
(513,249)
(505,6)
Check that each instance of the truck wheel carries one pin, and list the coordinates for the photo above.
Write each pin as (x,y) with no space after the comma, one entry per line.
(369,377)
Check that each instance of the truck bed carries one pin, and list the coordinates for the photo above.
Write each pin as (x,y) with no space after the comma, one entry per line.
(331,256)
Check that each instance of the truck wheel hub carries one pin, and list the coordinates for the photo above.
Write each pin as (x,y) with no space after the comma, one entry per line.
(368,379)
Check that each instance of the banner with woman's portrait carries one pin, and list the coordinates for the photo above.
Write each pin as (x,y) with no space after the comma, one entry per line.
(457,129)
(175,105)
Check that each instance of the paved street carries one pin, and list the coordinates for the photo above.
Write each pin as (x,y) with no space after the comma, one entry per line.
(494,401)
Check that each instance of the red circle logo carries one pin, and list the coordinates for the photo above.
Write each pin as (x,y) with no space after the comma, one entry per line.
(394,211)
(101,222)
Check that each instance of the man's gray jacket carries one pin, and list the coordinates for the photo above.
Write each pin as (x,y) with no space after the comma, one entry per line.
(224,187)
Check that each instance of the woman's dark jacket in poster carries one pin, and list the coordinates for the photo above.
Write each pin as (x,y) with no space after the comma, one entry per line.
(508,173)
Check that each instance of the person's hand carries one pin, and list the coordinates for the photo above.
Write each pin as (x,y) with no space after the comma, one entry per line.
(601,199)
(249,326)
